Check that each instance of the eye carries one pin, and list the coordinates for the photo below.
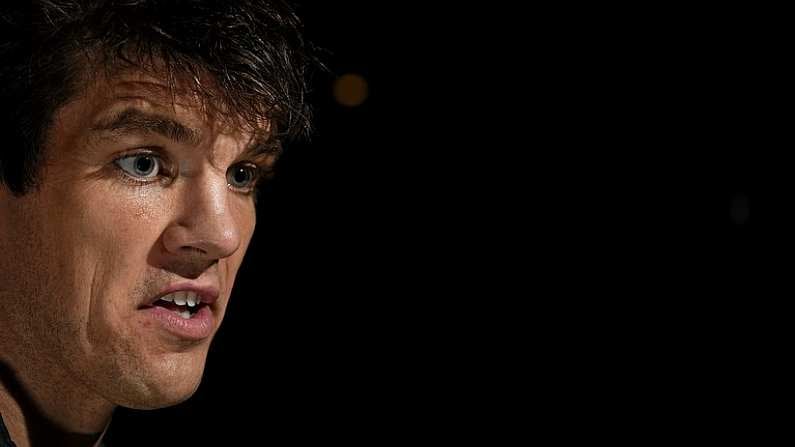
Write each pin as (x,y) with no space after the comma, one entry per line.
(242,176)
(141,166)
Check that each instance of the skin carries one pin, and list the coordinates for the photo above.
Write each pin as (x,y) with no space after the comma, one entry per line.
(85,250)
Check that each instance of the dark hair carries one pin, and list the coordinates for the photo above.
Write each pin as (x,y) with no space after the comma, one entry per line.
(253,50)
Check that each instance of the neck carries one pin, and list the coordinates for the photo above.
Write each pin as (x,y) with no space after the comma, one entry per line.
(40,411)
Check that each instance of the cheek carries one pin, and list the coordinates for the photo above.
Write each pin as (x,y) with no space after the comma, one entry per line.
(52,274)
(121,235)
(107,243)
(130,223)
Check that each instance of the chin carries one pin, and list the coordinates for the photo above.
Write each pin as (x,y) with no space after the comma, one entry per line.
(164,385)
(157,396)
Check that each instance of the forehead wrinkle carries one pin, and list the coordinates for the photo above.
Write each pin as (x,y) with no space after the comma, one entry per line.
(138,85)
(182,92)
(132,120)
(155,89)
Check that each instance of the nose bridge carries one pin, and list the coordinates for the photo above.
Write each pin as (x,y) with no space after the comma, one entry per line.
(206,220)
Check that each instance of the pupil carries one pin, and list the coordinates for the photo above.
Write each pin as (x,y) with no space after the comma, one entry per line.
(144,164)
(241,175)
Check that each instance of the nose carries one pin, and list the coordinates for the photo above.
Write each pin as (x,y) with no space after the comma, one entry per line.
(205,229)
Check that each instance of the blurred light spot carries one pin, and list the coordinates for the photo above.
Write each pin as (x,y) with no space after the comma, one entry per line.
(350,90)
(740,209)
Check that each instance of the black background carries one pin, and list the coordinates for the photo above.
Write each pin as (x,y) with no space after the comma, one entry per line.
(560,189)
(340,321)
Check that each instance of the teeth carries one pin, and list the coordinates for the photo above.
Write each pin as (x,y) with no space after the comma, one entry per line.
(184,314)
(179,298)
(182,298)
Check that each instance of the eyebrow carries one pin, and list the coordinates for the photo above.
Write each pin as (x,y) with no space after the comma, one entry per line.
(135,121)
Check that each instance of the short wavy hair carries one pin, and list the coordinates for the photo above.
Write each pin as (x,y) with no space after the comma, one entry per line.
(253,51)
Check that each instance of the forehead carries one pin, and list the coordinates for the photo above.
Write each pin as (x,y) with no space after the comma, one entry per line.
(181,96)
(135,100)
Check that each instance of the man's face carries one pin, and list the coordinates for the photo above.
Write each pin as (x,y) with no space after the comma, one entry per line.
(86,256)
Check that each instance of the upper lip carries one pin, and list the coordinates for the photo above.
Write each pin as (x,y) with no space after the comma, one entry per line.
(207,293)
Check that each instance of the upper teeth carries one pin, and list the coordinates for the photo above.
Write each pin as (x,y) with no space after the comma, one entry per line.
(183,297)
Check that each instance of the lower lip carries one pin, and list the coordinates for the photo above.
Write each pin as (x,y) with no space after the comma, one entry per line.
(198,327)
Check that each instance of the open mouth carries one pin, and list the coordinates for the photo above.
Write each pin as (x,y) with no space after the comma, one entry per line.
(186,312)
(185,304)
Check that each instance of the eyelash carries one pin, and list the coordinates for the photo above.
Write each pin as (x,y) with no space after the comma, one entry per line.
(259,173)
